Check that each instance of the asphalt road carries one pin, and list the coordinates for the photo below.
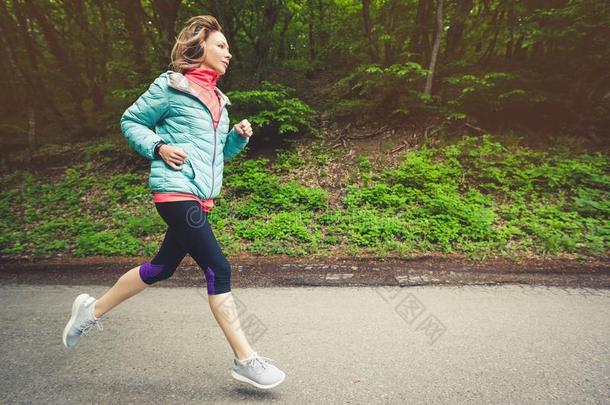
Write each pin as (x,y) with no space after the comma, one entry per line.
(338,345)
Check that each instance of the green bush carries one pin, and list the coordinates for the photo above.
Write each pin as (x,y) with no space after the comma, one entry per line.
(107,243)
(367,227)
(284,232)
(271,109)
(287,160)
(264,189)
(492,98)
(143,223)
(373,92)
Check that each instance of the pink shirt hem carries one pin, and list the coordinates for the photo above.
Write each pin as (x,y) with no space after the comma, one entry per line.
(206,205)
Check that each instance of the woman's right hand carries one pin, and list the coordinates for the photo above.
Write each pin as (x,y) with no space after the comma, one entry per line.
(173,156)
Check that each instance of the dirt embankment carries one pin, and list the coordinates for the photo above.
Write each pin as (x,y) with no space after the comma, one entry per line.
(256,271)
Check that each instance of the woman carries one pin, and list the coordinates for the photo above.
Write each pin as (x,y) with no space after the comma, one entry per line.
(181,124)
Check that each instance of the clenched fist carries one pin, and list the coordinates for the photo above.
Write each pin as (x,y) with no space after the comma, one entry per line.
(244,129)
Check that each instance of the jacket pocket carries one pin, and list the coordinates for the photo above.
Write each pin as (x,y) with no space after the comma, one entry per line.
(187,169)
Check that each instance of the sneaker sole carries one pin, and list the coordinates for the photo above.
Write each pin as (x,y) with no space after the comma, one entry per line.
(254,383)
(79,300)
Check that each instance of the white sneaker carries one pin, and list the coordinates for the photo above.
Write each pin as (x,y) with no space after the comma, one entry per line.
(257,372)
(81,321)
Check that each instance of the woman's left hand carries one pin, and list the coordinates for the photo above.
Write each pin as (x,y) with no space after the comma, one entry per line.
(244,129)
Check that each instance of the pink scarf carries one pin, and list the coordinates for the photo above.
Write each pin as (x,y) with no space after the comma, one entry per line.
(204,82)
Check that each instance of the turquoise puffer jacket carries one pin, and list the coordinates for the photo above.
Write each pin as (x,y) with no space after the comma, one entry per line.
(170,111)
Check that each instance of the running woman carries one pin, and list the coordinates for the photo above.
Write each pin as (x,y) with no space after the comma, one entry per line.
(181,125)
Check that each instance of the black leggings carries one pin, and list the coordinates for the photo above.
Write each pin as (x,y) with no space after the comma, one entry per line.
(189,232)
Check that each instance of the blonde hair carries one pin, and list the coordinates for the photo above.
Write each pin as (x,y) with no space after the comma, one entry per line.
(189,50)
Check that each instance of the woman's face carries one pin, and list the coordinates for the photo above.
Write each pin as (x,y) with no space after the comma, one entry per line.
(217,54)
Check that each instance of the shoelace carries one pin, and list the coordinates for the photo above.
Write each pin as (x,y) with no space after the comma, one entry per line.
(260,360)
(90,324)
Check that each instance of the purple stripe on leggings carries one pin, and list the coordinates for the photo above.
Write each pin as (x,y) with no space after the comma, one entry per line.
(209,277)
(149,271)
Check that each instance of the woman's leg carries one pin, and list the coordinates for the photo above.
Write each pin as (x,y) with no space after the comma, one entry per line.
(197,237)
(128,285)
(225,312)
(163,265)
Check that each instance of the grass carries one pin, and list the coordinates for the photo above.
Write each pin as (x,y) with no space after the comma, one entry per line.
(476,197)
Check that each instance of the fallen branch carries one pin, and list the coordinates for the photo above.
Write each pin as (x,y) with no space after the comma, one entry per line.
(402,146)
(475,128)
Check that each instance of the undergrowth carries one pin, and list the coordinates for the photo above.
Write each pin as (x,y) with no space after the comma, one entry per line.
(476,197)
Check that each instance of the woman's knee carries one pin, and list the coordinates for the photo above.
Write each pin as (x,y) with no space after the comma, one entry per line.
(218,278)
(151,273)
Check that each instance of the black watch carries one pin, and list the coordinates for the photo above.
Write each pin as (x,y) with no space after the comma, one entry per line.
(157,147)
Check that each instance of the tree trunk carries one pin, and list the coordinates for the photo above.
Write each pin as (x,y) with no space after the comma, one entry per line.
(32,142)
(30,70)
(519,51)
(497,17)
(388,51)
(260,34)
(21,83)
(508,54)
(321,25)
(456,30)
(310,28)
(77,13)
(368,34)
(281,53)
(74,81)
(421,45)
(435,48)
(134,19)
(165,15)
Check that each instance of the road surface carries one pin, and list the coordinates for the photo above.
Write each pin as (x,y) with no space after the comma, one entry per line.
(507,344)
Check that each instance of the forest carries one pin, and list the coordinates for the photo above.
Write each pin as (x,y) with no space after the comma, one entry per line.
(70,67)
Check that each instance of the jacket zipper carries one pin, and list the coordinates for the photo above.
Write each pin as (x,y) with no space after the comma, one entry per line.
(213,157)
(214,153)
